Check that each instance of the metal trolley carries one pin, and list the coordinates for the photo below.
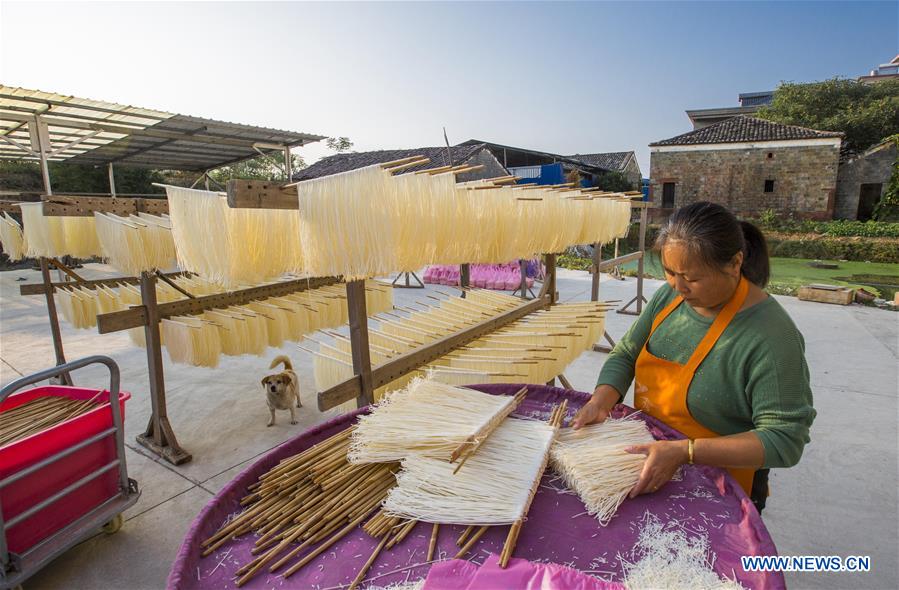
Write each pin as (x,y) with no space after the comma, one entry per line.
(16,567)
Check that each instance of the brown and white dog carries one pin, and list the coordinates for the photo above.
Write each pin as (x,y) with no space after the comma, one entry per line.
(281,389)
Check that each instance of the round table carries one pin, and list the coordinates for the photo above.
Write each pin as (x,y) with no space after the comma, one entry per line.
(704,499)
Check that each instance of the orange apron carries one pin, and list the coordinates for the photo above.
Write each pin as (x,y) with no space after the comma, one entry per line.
(660,386)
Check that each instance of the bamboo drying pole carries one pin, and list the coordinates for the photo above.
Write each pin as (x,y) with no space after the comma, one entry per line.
(558,416)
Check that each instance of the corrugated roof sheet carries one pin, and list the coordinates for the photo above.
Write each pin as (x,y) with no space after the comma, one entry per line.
(86,131)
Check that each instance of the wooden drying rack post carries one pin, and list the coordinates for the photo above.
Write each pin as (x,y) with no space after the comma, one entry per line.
(600,265)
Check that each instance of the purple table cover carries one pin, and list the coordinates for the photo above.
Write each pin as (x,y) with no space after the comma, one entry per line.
(558,529)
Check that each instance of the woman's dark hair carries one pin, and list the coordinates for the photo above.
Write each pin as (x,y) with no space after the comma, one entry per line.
(712,233)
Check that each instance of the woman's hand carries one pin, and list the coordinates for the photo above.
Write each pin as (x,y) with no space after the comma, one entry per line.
(663,458)
(598,408)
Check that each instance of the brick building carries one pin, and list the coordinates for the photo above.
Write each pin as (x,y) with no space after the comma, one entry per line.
(748,165)
(862,180)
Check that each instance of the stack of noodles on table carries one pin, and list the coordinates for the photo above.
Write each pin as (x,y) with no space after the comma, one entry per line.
(593,462)
(12,238)
(426,418)
(232,246)
(369,222)
(136,243)
(533,349)
(199,340)
(51,237)
(494,485)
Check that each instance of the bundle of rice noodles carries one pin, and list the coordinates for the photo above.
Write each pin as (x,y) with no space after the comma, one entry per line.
(604,219)
(80,237)
(449,417)
(137,243)
(12,238)
(232,246)
(43,235)
(349,223)
(191,340)
(493,488)
(78,306)
(52,237)
(593,462)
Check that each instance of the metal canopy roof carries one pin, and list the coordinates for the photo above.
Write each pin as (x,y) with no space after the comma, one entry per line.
(83,131)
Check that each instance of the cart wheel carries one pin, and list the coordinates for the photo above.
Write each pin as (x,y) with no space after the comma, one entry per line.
(113,525)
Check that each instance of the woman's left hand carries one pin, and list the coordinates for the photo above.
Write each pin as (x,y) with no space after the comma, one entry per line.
(663,458)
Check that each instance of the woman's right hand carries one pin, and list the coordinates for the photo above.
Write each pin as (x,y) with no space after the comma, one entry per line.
(598,408)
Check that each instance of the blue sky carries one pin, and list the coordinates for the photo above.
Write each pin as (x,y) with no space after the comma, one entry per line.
(563,77)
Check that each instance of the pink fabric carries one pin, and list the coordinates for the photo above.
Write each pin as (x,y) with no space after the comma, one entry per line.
(520,574)
(455,574)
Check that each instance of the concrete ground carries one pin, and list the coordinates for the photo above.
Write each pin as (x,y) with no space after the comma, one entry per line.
(840,500)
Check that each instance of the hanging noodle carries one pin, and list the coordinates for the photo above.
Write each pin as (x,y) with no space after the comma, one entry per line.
(12,238)
(232,246)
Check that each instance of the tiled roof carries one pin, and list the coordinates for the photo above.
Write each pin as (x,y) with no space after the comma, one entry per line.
(742,129)
(608,160)
(350,161)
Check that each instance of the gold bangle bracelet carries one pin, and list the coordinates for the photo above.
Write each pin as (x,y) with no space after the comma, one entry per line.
(690,443)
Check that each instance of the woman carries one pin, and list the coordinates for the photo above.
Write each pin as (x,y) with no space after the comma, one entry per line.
(713,356)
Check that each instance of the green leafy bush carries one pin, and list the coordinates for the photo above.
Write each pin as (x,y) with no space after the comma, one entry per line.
(836,249)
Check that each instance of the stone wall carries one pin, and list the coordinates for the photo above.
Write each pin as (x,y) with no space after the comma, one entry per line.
(492,167)
(804,179)
(874,166)
(633,174)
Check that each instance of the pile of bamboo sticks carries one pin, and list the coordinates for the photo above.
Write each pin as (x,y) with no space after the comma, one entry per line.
(314,497)
(40,414)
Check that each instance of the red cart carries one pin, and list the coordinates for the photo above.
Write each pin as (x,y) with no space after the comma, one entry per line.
(59,486)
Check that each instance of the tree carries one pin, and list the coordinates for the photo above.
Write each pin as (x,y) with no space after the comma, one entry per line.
(866,113)
(268,167)
(23,175)
(614,181)
(339,144)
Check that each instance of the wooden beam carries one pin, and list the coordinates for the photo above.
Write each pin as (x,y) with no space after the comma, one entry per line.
(65,269)
(72,206)
(361,353)
(136,316)
(403,364)
(40,288)
(619,260)
(64,378)
(261,194)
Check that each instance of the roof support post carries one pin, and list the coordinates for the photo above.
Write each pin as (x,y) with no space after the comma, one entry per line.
(111,179)
(288,168)
(40,143)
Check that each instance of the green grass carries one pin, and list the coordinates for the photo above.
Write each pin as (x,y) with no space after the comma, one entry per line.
(788,274)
